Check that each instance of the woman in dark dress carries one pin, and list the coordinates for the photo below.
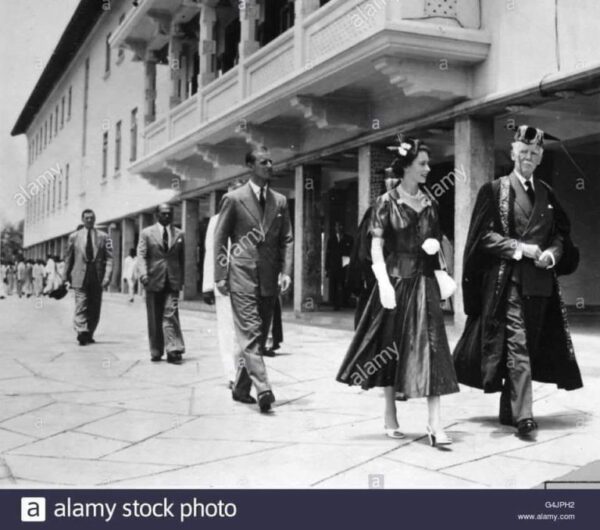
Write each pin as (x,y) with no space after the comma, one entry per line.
(400,342)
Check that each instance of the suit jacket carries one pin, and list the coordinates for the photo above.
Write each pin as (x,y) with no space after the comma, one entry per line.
(262,246)
(161,266)
(336,250)
(531,224)
(76,261)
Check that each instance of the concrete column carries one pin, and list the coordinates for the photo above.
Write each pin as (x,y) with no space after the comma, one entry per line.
(372,160)
(190,224)
(307,245)
(114,233)
(149,89)
(175,48)
(474,166)
(127,236)
(249,12)
(212,204)
(207,46)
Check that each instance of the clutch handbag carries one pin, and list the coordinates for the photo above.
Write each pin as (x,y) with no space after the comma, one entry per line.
(445,282)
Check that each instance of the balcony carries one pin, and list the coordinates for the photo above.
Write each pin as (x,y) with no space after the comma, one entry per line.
(344,41)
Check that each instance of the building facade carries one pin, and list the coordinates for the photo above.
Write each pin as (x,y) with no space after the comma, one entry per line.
(159,100)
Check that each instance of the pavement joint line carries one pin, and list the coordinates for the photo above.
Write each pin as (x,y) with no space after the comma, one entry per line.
(57,356)
(292,400)
(104,437)
(130,367)
(575,466)
(503,452)
(138,442)
(424,468)
(272,368)
(190,466)
(8,468)
(357,465)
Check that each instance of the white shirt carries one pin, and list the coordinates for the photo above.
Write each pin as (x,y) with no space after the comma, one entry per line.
(169,232)
(523,180)
(256,189)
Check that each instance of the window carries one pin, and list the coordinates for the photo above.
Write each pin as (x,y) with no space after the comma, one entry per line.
(60,191)
(45,134)
(56,121)
(50,130)
(66,183)
(62,112)
(104,153)
(133,136)
(107,54)
(47,191)
(69,103)
(118,146)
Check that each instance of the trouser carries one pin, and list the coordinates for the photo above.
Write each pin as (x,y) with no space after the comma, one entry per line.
(20,284)
(129,287)
(229,347)
(336,288)
(524,322)
(276,325)
(164,329)
(88,301)
(252,316)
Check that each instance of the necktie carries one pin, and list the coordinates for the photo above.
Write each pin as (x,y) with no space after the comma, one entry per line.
(262,200)
(530,192)
(89,247)
(165,239)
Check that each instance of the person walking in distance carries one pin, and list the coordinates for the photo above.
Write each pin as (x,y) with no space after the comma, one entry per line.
(88,270)
(256,220)
(161,260)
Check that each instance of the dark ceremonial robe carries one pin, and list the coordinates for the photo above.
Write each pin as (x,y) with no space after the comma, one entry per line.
(479,356)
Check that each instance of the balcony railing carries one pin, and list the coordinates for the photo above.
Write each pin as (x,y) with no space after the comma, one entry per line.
(422,28)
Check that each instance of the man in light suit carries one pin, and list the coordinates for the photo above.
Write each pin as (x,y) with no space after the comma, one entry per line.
(88,270)
(257,221)
(161,259)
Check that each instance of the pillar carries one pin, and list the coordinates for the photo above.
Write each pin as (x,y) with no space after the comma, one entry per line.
(307,245)
(372,160)
(474,166)
(212,204)
(302,9)
(249,11)
(149,89)
(175,48)
(191,229)
(114,234)
(127,236)
(207,45)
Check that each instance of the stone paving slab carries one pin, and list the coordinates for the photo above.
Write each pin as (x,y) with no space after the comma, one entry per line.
(104,415)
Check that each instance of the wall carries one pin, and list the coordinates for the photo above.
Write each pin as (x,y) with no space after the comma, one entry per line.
(111,98)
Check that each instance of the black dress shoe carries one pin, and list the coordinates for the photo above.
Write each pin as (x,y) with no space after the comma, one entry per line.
(526,427)
(83,338)
(247,399)
(174,358)
(156,358)
(265,400)
(269,353)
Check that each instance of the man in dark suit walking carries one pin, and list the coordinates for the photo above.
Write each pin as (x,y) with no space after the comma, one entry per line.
(517,329)
(161,260)
(257,221)
(337,258)
(88,270)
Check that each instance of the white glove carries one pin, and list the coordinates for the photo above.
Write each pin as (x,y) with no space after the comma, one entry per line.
(387,294)
(431,246)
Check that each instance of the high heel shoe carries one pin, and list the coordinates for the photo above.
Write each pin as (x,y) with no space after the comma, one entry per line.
(394,433)
(438,437)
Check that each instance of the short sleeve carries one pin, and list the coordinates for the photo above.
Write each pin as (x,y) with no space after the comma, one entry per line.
(380,217)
